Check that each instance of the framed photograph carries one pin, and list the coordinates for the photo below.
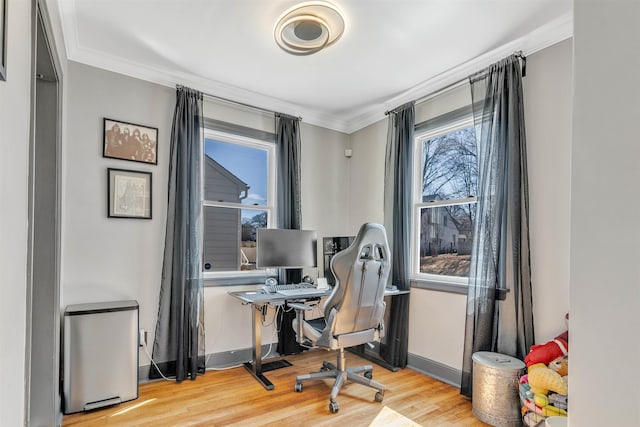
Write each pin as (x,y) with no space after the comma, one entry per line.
(128,141)
(3,39)
(129,194)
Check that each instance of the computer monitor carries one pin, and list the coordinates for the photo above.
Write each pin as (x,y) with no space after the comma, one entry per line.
(281,248)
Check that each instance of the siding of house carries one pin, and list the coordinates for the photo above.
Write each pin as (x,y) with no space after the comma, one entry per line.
(221,247)
(222,226)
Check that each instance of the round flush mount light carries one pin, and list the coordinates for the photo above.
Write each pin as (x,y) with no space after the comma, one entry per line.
(308,28)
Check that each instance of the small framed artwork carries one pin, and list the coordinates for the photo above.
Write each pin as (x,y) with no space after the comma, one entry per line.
(129,194)
(128,141)
(3,39)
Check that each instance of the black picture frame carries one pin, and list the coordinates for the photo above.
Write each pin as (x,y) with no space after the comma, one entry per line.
(129,194)
(129,141)
(3,40)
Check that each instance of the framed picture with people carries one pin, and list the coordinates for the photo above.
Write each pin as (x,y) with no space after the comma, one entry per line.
(128,141)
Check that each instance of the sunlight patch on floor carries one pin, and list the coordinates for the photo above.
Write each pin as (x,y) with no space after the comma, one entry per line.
(388,417)
(132,407)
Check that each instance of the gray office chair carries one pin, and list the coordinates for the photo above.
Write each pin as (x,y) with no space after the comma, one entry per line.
(353,313)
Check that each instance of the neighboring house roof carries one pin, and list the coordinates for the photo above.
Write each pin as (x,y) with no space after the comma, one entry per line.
(212,165)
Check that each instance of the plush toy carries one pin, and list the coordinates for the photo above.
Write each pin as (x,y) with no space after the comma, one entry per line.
(542,380)
(545,353)
(559,400)
(560,365)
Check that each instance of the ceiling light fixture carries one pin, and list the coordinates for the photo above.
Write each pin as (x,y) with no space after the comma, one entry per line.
(309,27)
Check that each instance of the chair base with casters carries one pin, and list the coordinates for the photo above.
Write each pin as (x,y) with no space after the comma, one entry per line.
(342,374)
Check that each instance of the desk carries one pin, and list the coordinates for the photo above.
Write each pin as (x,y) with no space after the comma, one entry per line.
(259,301)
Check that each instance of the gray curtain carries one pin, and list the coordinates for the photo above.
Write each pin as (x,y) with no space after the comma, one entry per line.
(179,340)
(499,303)
(289,217)
(397,210)
(288,149)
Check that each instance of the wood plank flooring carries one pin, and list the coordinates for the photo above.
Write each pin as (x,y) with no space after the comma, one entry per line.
(233,397)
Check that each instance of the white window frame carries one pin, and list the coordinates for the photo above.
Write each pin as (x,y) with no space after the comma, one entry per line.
(418,204)
(270,207)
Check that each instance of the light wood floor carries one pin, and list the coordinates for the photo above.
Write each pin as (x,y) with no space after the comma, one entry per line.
(234,397)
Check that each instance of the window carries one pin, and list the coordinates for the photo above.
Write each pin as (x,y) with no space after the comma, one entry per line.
(445,181)
(238,198)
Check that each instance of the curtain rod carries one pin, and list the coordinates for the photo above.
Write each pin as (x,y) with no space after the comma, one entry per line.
(265,110)
(429,95)
(517,54)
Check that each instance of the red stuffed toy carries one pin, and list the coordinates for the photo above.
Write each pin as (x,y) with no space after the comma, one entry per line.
(545,353)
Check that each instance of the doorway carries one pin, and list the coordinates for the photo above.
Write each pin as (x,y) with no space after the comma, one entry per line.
(43,321)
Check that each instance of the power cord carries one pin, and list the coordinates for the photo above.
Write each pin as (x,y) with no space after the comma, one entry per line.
(146,350)
(275,330)
(264,324)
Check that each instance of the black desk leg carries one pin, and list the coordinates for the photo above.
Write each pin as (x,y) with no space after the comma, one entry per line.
(259,376)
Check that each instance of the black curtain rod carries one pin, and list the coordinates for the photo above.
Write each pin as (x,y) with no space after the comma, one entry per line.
(518,54)
(245,105)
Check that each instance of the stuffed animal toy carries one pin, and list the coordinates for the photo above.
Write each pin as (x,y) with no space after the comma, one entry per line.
(542,380)
(560,365)
(545,353)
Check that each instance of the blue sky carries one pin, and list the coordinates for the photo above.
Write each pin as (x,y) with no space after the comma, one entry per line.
(247,163)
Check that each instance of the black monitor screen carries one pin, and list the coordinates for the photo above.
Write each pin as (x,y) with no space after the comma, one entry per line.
(282,248)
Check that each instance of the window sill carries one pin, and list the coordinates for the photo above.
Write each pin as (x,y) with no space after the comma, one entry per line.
(434,285)
(452,288)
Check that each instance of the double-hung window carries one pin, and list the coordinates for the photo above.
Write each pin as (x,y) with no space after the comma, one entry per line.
(445,181)
(238,197)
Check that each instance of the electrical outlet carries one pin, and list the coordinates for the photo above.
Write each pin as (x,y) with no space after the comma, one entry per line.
(142,337)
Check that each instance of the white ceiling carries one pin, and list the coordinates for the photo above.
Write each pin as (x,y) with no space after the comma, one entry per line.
(392,51)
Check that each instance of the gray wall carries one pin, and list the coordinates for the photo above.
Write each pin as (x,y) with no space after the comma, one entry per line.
(548,106)
(106,258)
(436,322)
(15,98)
(605,277)
(339,194)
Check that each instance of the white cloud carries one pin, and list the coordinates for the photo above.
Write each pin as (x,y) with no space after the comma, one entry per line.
(257,197)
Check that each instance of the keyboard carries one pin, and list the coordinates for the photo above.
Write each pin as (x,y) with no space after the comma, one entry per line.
(277,288)
(302,291)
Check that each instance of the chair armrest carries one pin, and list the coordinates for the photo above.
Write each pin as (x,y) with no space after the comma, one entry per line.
(300,306)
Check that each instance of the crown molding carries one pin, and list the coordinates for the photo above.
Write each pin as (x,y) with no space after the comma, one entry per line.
(558,30)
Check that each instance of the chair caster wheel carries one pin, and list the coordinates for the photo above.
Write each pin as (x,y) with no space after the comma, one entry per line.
(368,374)
(379,396)
(334,407)
(298,387)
